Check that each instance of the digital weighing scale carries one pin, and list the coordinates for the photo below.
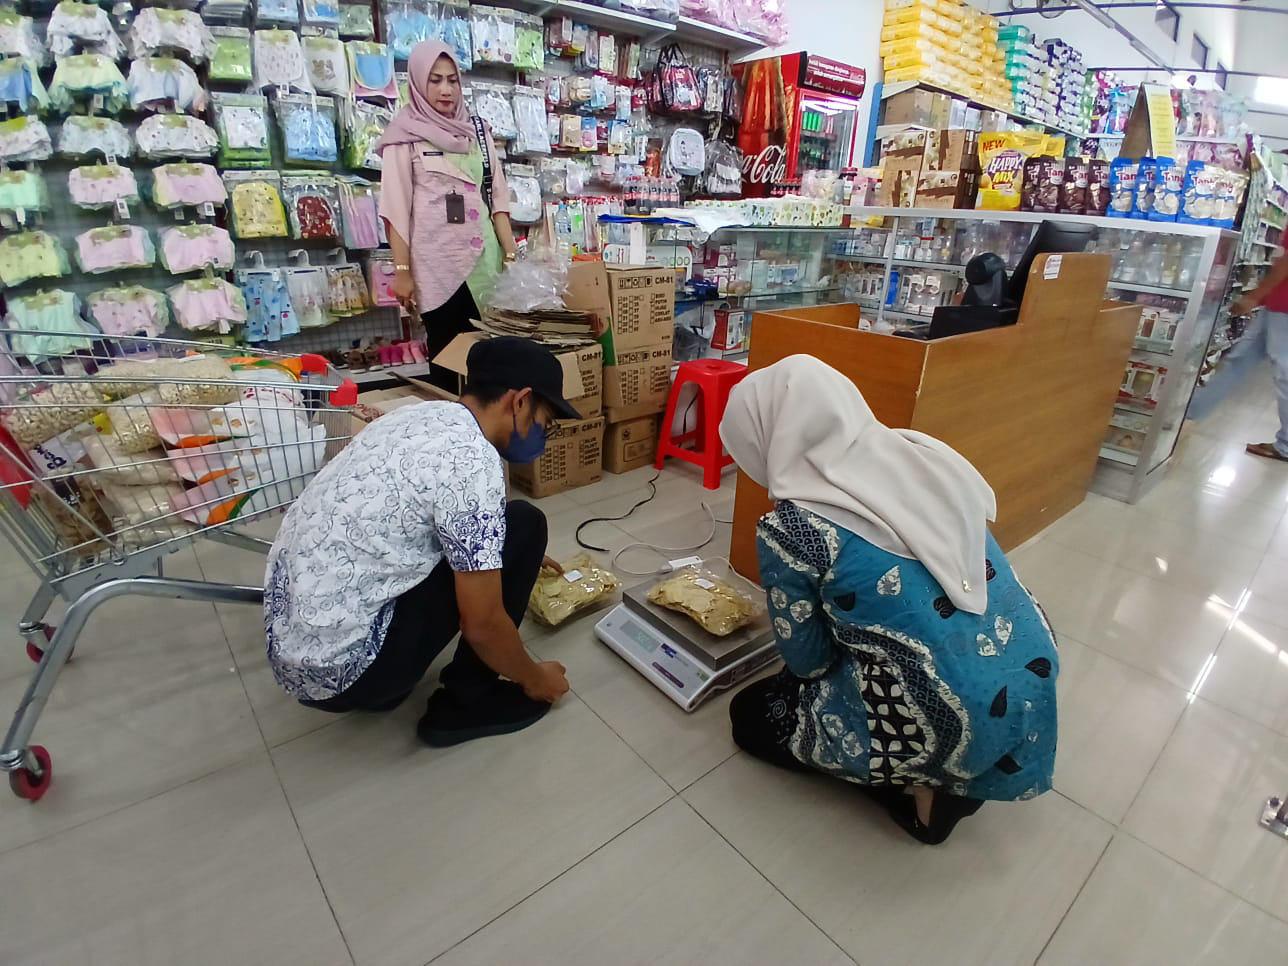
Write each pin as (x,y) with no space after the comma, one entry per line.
(685,662)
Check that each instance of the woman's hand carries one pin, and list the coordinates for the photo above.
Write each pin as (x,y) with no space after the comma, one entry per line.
(552,564)
(404,289)
(1243,306)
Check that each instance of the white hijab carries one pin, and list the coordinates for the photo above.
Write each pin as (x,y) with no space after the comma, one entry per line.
(803,431)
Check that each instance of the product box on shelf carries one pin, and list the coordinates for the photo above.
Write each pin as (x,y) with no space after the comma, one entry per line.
(731,329)
(902,156)
(951,151)
(582,371)
(917,106)
(630,444)
(574,456)
(947,189)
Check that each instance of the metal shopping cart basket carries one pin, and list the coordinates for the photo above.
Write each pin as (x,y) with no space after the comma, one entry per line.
(116,451)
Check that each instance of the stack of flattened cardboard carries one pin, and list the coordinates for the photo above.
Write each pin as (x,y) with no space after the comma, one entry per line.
(566,328)
(573,455)
(635,308)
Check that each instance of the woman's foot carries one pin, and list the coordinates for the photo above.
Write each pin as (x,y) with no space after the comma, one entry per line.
(1267,450)
(930,816)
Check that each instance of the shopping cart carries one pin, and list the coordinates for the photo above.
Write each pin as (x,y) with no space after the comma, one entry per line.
(116,451)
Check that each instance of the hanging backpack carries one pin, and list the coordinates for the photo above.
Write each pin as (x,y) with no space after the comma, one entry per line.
(677,81)
(711,89)
(724,169)
(687,153)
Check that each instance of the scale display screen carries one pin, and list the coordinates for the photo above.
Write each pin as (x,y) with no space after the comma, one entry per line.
(640,636)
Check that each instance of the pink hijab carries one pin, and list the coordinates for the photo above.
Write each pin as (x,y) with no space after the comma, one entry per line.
(418,121)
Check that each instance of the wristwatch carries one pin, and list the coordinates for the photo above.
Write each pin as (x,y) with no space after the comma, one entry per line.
(402,268)
(511,256)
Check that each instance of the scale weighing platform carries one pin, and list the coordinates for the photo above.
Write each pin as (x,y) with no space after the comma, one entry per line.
(685,662)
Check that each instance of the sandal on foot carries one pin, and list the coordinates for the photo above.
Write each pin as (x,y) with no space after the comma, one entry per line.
(1267,450)
(945,813)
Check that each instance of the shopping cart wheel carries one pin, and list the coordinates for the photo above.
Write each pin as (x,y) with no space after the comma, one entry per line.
(35,651)
(26,785)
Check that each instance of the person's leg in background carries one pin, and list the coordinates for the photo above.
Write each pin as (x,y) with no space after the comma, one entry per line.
(1276,336)
(444,324)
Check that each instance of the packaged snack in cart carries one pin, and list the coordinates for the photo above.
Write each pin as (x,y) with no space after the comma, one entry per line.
(717,607)
(559,596)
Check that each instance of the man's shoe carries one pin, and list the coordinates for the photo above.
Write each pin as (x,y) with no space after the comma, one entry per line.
(503,710)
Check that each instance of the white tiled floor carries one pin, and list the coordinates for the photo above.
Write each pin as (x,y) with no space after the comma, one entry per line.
(200,816)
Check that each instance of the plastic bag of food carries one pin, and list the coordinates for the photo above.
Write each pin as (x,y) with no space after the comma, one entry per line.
(1001,159)
(531,285)
(717,607)
(557,597)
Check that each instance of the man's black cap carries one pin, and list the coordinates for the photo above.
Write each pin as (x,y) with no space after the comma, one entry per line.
(511,362)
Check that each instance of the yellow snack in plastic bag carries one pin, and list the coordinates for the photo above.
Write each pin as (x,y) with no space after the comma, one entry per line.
(556,597)
(1001,160)
(718,608)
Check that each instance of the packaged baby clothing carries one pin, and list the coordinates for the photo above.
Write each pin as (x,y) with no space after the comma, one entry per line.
(31,254)
(24,139)
(175,136)
(155,82)
(371,70)
(156,29)
(310,296)
(20,84)
(113,248)
(186,248)
(82,27)
(83,137)
(313,203)
(492,103)
(532,136)
(102,186)
(241,123)
(186,183)
(525,194)
(285,12)
(88,77)
(530,44)
(279,61)
(380,278)
(129,310)
(18,38)
(307,123)
(359,208)
(255,204)
(321,13)
(348,290)
(453,29)
(230,60)
(356,22)
(364,123)
(208,303)
(493,30)
(407,23)
(327,66)
(43,325)
(269,315)
(22,191)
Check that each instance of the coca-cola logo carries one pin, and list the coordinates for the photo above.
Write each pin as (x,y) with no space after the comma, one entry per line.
(767,167)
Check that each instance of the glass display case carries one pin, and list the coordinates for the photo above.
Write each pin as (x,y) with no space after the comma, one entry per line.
(903,262)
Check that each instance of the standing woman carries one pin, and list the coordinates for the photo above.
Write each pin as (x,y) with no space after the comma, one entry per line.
(449,238)
(916,662)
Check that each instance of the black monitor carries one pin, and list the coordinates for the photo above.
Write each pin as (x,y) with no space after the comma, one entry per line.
(1052,237)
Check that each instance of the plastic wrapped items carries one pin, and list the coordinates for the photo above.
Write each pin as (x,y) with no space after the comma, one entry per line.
(186,248)
(279,61)
(717,608)
(156,29)
(493,30)
(525,194)
(241,123)
(363,125)
(270,317)
(208,303)
(129,310)
(531,136)
(42,414)
(380,279)
(307,124)
(529,42)
(101,186)
(22,191)
(186,183)
(91,78)
(31,254)
(453,29)
(27,139)
(18,38)
(81,138)
(321,13)
(1123,173)
(41,325)
(255,204)
(279,12)
(82,27)
(143,515)
(356,22)
(347,290)
(313,205)
(175,136)
(135,467)
(230,61)
(360,217)
(310,296)
(327,65)
(20,84)
(559,596)
(407,23)
(157,82)
(492,103)
(371,70)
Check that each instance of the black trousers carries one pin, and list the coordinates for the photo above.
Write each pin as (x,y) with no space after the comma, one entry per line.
(426,619)
(763,716)
(444,324)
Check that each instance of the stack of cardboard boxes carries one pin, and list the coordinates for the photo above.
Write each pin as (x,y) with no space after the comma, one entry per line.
(636,309)
(930,169)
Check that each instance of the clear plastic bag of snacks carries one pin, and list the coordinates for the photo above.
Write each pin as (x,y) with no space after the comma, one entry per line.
(717,607)
(559,596)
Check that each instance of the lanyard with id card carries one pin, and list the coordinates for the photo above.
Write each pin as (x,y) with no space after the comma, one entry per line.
(455,208)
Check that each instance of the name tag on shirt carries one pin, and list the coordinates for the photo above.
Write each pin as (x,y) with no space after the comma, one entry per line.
(431,154)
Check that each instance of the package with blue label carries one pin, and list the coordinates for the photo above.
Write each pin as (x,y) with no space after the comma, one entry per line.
(307,123)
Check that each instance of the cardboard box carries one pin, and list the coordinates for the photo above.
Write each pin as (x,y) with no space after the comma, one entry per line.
(916,106)
(573,457)
(951,151)
(902,156)
(582,371)
(641,381)
(631,444)
(947,189)
(635,306)
(731,329)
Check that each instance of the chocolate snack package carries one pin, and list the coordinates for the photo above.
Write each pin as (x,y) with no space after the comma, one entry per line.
(1073,190)
(1097,186)
(1029,184)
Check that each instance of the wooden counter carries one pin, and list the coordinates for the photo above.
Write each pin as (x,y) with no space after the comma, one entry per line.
(1027,404)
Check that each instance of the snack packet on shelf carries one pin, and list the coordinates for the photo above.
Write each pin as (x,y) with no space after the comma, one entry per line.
(717,607)
(557,597)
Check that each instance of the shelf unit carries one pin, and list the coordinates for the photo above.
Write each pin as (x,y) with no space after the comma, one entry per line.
(652,32)
(1123,474)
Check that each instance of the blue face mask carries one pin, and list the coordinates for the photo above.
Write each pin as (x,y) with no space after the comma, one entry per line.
(525,449)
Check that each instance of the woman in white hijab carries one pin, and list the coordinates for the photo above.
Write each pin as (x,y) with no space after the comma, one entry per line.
(915,660)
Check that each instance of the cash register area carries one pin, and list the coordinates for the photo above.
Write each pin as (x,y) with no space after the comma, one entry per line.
(202,816)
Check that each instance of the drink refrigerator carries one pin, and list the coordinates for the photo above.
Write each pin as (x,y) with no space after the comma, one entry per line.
(800,114)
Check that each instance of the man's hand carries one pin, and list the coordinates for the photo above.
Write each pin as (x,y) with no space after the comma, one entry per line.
(1243,306)
(404,289)
(548,683)
(552,564)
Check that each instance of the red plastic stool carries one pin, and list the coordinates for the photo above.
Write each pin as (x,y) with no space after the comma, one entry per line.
(714,379)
